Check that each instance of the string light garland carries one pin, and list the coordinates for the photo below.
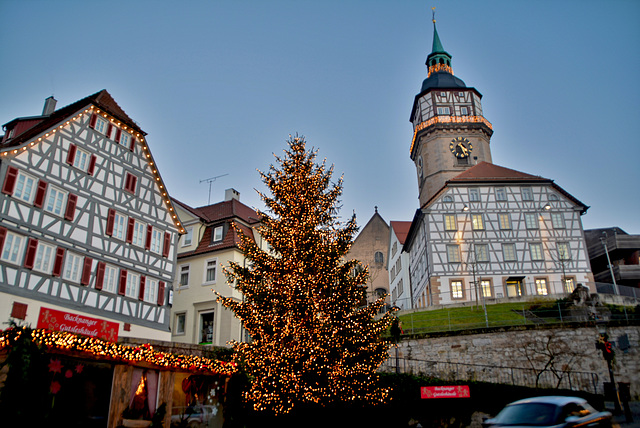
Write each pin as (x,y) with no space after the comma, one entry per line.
(138,137)
(312,339)
(447,119)
(103,350)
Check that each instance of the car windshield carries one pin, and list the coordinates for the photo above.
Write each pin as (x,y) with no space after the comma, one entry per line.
(533,414)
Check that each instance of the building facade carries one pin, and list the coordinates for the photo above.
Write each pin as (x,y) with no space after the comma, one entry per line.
(87,228)
(209,244)
(399,282)
(615,256)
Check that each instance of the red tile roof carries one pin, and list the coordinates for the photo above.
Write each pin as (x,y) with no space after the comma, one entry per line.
(485,171)
(401,229)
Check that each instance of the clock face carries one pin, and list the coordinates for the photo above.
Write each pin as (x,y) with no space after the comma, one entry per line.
(460,147)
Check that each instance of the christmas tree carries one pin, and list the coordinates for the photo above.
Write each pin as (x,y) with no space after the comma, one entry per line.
(312,341)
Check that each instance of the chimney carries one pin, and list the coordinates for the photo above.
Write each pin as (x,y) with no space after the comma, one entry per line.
(230,194)
(49,106)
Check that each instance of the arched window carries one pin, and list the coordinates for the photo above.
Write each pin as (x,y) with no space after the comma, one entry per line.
(381,292)
(447,198)
(553,197)
(379,257)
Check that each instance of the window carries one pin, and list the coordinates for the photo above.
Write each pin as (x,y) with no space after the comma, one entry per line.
(133,282)
(44,258)
(485,286)
(110,283)
(179,325)
(476,222)
(398,265)
(138,233)
(505,221)
(509,252)
(188,237)
(564,252)
(25,187)
(210,271)
(184,276)
(450,222)
(151,291)
(394,248)
(130,182)
(557,220)
(217,233)
(464,111)
(206,328)
(456,290)
(527,193)
(378,257)
(400,287)
(553,197)
(447,199)
(420,169)
(12,250)
(541,287)
(101,125)
(119,225)
(125,139)
(536,251)
(531,220)
(453,253)
(501,194)
(569,284)
(81,160)
(443,110)
(482,253)
(72,267)
(55,200)
(156,241)
(474,195)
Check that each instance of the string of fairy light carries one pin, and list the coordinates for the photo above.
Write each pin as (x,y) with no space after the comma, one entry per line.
(312,342)
(447,119)
(113,120)
(64,342)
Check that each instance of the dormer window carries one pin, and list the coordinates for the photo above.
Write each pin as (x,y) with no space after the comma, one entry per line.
(217,233)
(101,125)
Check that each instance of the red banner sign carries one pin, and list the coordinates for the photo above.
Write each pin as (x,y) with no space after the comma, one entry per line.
(450,391)
(51,319)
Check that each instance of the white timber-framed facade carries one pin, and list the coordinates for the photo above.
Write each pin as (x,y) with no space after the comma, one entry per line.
(399,283)
(86,223)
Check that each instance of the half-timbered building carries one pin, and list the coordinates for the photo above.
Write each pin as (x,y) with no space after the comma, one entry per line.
(399,265)
(87,228)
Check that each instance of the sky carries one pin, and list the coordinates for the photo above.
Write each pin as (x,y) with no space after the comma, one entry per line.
(220,85)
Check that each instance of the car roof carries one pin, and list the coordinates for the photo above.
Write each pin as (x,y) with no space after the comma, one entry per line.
(551,399)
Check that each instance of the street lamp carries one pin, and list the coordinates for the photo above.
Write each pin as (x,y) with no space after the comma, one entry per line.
(607,352)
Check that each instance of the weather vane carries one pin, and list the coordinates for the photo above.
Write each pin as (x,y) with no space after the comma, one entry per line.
(433,14)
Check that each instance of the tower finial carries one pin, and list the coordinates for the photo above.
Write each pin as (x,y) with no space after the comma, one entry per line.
(433,14)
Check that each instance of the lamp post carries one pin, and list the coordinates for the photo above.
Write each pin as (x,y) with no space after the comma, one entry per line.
(607,352)
(606,251)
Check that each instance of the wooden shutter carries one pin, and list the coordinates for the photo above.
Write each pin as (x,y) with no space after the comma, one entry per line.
(71,155)
(123,282)
(110,220)
(118,135)
(100,275)
(109,129)
(94,119)
(132,144)
(57,264)
(40,194)
(92,165)
(10,180)
(86,271)
(167,244)
(143,282)
(147,244)
(70,212)
(132,222)
(30,255)
(19,311)
(3,235)
(161,287)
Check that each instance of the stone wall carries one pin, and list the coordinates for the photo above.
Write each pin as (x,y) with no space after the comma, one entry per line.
(571,348)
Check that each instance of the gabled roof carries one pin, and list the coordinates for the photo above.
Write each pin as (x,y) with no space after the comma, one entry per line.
(401,229)
(376,217)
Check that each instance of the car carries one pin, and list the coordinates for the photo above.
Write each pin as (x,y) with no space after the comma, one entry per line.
(550,412)
(197,416)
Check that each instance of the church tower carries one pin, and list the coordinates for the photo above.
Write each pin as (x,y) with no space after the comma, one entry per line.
(450,134)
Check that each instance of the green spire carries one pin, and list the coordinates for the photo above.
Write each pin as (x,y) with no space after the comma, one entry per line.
(437,44)
(438,61)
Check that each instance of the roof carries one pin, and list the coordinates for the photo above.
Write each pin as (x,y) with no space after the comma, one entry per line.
(222,210)
(401,229)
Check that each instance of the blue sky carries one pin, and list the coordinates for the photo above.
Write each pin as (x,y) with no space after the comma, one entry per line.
(219,85)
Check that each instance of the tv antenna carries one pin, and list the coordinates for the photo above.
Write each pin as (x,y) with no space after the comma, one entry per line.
(211,180)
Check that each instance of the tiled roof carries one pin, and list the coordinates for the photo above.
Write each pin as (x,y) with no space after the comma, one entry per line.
(230,240)
(485,171)
(227,209)
(401,229)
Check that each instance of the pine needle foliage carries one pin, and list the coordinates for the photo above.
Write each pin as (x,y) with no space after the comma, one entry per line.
(313,339)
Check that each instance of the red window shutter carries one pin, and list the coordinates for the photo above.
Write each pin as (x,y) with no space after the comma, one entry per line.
(70,212)
(161,287)
(132,222)
(40,194)
(10,180)
(94,119)
(19,311)
(132,145)
(57,264)
(71,155)
(123,282)
(147,245)
(92,165)
(110,220)
(100,275)
(30,255)
(109,129)
(143,281)
(3,234)
(167,244)
(118,135)
(86,271)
